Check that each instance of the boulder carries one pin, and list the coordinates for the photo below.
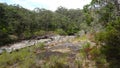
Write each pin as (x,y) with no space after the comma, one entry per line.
(1,51)
(81,33)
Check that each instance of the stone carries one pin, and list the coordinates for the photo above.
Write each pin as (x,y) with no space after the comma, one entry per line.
(81,33)
(1,51)
(9,50)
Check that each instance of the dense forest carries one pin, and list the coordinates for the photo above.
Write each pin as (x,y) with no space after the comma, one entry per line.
(19,23)
(100,17)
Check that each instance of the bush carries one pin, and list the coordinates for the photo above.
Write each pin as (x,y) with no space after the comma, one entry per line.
(22,58)
(60,31)
(40,45)
(56,62)
(111,38)
(27,34)
(39,33)
(101,36)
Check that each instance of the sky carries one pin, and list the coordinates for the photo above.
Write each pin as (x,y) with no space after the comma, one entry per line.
(48,4)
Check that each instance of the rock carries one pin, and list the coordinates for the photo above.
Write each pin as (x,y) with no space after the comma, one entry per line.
(1,51)
(56,39)
(81,33)
(9,50)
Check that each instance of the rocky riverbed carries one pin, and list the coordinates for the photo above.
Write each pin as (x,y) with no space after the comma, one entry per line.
(54,40)
(67,48)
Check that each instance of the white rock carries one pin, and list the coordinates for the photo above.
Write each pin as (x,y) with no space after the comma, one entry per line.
(1,51)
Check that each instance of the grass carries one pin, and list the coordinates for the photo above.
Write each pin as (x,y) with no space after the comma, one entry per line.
(93,55)
(99,58)
(79,39)
(7,59)
(40,46)
(56,62)
(24,57)
(27,58)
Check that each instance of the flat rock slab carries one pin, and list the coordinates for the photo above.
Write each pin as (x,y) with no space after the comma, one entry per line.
(26,43)
(65,47)
(1,51)
(64,50)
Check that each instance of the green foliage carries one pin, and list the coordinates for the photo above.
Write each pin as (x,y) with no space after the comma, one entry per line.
(106,13)
(22,23)
(39,33)
(85,50)
(78,63)
(56,62)
(86,45)
(27,34)
(18,23)
(40,45)
(61,32)
(110,38)
(98,57)
(100,36)
(13,37)
(24,58)
(8,59)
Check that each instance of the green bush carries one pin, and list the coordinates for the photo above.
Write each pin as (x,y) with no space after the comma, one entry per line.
(13,37)
(111,40)
(56,62)
(40,46)
(22,57)
(38,33)
(101,36)
(60,31)
(27,34)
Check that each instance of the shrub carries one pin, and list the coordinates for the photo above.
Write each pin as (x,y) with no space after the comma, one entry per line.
(60,31)
(27,34)
(22,57)
(111,38)
(39,33)
(40,45)
(56,62)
